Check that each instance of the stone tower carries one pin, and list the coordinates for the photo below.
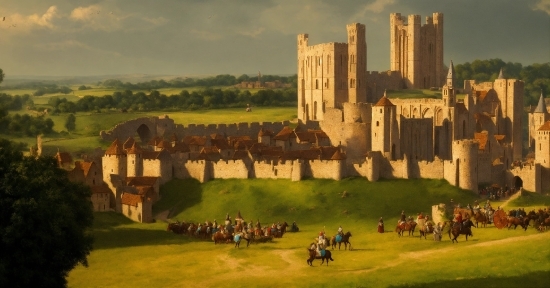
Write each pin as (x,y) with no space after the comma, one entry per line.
(536,119)
(542,145)
(135,161)
(384,136)
(416,50)
(114,161)
(357,63)
(465,160)
(510,94)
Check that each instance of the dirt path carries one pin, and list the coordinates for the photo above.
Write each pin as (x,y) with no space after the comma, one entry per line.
(162,216)
(406,257)
(513,197)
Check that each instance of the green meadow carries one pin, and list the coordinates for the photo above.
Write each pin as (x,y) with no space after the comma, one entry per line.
(128,254)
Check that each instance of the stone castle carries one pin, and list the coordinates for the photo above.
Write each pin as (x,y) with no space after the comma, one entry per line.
(347,127)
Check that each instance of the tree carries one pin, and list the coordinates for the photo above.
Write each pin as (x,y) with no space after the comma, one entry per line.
(44,221)
(70,123)
(1,75)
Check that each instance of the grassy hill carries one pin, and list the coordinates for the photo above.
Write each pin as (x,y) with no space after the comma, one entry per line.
(131,254)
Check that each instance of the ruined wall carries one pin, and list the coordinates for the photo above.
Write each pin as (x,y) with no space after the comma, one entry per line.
(164,126)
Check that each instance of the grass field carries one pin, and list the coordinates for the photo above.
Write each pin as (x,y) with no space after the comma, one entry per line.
(130,254)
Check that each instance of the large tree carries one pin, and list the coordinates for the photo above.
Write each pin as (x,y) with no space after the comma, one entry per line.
(44,221)
(70,123)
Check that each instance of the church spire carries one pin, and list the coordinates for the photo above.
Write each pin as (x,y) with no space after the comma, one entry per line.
(541,107)
(451,75)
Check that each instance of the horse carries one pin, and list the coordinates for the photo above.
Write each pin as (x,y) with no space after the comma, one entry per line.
(408,226)
(344,239)
(241,235)
(466,230)
(178,228)
(425,230)
(313,256)
(523,222)
(481,218)
(220,237)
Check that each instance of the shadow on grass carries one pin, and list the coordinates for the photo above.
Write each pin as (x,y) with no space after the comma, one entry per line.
(178,195)
(533,279)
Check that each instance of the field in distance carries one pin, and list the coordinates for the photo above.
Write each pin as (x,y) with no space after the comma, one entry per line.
(131,254)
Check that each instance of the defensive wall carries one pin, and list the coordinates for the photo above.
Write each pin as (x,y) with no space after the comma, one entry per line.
(530,174)
(163,126)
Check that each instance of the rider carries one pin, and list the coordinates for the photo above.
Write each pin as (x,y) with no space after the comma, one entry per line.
(403,218)
(458,219)
(428,222)
(340,231)
(294,226)
(476,207)
(215,224)
(321,242)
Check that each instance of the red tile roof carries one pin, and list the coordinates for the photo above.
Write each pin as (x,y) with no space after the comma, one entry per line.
(481,139)
(141,181)
(545,126)
(128,143)
(384,101)
(131,199)
(135,149)
(285,134)
(115,148)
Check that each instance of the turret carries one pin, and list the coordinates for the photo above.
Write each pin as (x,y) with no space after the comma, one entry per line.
(383,125)
(449,97)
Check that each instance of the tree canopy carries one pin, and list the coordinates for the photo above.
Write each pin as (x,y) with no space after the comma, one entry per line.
(44,221)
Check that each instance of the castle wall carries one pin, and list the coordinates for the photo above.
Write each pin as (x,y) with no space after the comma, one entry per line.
(281,170)
(378,82)
(529,174)
(229,169)
(325,169)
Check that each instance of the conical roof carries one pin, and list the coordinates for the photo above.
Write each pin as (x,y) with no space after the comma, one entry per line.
(500,74)
(384,101)
(541,107)
(451,73)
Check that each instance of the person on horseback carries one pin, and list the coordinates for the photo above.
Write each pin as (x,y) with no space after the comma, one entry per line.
(340,231)
(458,219)
(403,218)
(294,227)
(476,207)
(321,242)
(428,223)
(199,227)
(215,223)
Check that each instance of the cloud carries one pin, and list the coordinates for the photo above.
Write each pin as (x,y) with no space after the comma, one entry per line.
(543,5)
(97,17)
(205,35)
(73,45)
(85,13)
(254,33)
(34,21)
(376,7)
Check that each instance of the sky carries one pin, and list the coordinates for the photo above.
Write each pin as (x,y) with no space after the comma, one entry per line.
(210,37)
